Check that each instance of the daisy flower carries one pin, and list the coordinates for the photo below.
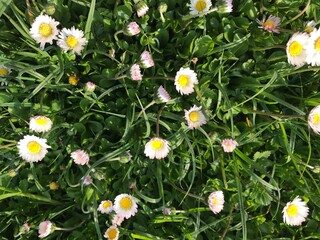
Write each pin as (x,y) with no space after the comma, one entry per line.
(146,60)
(163,95)
(72,39)
(194,117)
(224,6)
(313,48)
(185,80)
(135,72)
(80,157)
(105,207)
(4,70)
(90,87)
(216,201)
(131,29)
(314,119)
(199,7)
(87,180)
(296,48)
(295,212)
(271,24)
(157,148)
(112,233)
(117,220)
(229,145)
(44,30)
(45,228)
(141,8)
(32,148)
(125,205)
(40,124)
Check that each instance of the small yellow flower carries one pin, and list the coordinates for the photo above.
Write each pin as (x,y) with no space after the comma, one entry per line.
(73,80)
(53,186)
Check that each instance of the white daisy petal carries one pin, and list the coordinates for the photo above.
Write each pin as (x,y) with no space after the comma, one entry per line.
(157,148)
(200,7)
(313,48)
(125,205)
(112,233)
(296,49)
(194,117)
(229,145)
(40,124)
(80,157)
(45,229)
(72,39)
(32,148)
(295,212)
(185,80)
(314,119)
(163,95)
(105,207)
(216,201)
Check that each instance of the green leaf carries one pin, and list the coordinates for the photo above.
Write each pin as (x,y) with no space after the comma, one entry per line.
(203,46)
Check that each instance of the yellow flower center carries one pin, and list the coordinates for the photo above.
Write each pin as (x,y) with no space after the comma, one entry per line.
(156,144)
(214,200)
(45,29)
(107,204)
(41,121)
(126,203)
(292,210)
(194,116)
(71,41)
(315,118)
(53,186)
(73,80)
(269,24)
(200,5)
(183,80)
(3,71)
(34,147)
(317,44)
(295,48)
(112,233)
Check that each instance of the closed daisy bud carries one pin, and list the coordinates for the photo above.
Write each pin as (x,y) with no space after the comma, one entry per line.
(295,212)
(32,148)
(90,87)
(105,207)
(87,180)
(44,30)
(271,24)
(141,8)
(229,145)
(200,7)
(117,220)
(135,72)
(40,124)
(313,48)
(163,95)
(314,119)
(224,6)
(131,29)
(296,49)
(45,228)
(146,60)
(194,117)
(310,26)
(112,233)
(125,205)
(216,201)
(80,157)
(185,80)
(157,148)
(72,39)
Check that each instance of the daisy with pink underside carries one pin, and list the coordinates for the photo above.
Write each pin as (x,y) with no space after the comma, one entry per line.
(135,72)
(229,145)
(216,201)
(270,24)
(80,157)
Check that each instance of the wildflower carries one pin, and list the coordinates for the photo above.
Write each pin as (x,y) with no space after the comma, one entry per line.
(112,52)
(296,49)
(314,119)
(295,212)
(146,60)
(135,72)
(26,227)
(310,26)
(313,48)
(87,180)
(216,201)
(44,30)
(229,145)
(112,233)
(125,205)
(157,148)
(72,39)
(117,220)
(73,80)
(105,206)
(90,87)
(4,70)
(194,117)
(163,7)
(185,80)
(163,95)
(224,6)
(141,8)
(125,157)
(131,29)
(40,124)
(132,185)
(166,211)
(271,24)
(199,7)
(32,148)
(80,157)
(53,186)
(45,228)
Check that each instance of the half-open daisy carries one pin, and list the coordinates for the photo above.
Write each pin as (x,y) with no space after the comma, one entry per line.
(194,117)
(45,228)
(313,48)
(146,60)
(125,205)
(105,206)
(40,124)
(157,148)
(135,72)
(295,212)
(224,6)
(32,148)
(163,95)
(314,119)
(216,201)
(44,30)
(185,80)
(200,7)
(112,233)
(80,157)
(141,8)
(72,39)
(270,24)
(296,48)
(229,145)
(131,29)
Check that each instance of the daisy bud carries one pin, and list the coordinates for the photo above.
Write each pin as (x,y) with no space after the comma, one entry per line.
(90,87)
(135,72)
(163,95)
(224,6)
(131,29)
(141,8)
(229,145)
(80,157)
(45,228)
(146,60)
